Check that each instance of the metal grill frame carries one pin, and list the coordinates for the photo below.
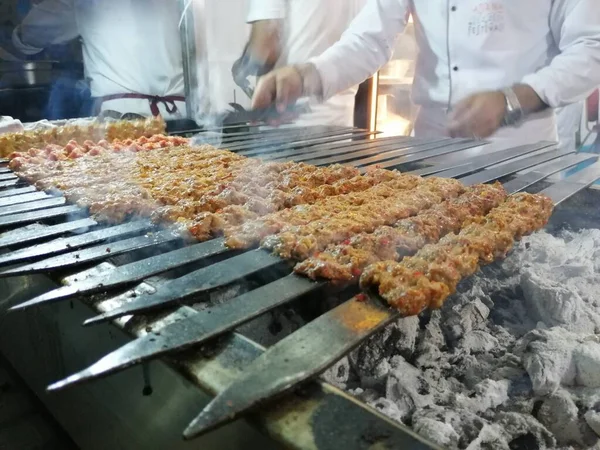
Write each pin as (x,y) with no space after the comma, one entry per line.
(295,416)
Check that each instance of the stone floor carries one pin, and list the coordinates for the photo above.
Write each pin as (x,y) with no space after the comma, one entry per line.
(24,423)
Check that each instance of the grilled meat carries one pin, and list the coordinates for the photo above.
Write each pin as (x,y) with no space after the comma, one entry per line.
(201,188)
(73,150)
(426,279)
(282,196)
(96,131)
(346,261)
(253,232)
(300,242)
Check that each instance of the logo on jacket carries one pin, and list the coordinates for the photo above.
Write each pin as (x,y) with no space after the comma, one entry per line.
(487,17)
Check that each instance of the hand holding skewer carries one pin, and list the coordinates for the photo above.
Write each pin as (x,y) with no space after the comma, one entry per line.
(283,87)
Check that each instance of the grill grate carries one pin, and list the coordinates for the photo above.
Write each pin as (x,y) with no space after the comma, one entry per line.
(320,146)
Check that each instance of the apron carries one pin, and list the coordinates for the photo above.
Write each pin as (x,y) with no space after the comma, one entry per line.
(166,106)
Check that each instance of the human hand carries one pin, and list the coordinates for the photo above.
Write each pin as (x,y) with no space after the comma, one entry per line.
(265,41)
(478,116)
(262,50)
(281,88)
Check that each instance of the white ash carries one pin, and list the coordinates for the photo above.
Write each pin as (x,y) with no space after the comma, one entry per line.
(511,362)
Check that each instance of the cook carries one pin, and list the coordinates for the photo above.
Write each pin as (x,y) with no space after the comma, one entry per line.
(131,50)
(293,31)
(487,69)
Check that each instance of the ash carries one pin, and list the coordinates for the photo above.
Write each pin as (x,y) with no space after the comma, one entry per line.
(511,362)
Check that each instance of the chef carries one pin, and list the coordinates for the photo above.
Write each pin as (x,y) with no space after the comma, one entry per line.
(486,68)
(291,32)
(131,50)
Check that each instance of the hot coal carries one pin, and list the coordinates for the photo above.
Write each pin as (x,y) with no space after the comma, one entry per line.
(511,362)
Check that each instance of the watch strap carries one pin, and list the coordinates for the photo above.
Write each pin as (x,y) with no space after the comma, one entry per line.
(514,112)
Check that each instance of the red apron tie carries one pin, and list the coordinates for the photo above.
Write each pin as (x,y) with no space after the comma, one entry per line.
(168,101)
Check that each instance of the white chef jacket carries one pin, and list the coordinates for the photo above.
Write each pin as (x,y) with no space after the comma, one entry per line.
(466,46)
(311,27)
(129,46)
(568,121)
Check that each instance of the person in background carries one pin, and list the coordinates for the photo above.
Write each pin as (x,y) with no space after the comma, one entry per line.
(131,50)
(486,68)
(292,31)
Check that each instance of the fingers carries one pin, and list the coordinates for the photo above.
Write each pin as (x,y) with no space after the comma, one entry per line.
(465,126)
(282,99)
(282,87)
(479,116)
(459,119)
(265,92)
(460,110)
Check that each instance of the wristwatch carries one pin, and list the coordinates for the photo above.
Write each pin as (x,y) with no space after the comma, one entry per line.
(514,114)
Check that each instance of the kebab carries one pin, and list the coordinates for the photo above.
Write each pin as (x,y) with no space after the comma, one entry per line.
(111,131)
(346,261)
(251,233)
(260,182)
(301,241)
(74,150)
(426,279)
(232,217)
(214,181)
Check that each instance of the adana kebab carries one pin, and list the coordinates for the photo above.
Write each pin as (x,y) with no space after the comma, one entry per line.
(426,279)
(94,131)
(251,233)
(203,189)
(258,190)
(346,261)
(303,240)
(279,197)
(74,150)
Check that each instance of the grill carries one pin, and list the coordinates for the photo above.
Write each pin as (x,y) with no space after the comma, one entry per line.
(137,269)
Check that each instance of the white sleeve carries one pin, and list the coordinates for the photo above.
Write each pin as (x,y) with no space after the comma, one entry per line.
(266,10)
(574,73)
(366,46)
(49,22)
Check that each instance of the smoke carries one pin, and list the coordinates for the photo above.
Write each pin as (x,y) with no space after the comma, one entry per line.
(213,137)
(201,90)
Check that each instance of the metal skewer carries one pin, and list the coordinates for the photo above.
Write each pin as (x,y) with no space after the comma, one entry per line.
(322,342)
(29,236)
(431,149)
(97,253)
(272,151)
(343,148)
(10,183)
(456,163)
(23,198)
(17,191)
(196,284)
(33,206)
(212,322)
(203,281)
(75,242)
(131,273)
(30,217)
(197,328)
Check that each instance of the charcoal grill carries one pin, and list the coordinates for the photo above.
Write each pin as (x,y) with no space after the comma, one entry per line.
(157,276)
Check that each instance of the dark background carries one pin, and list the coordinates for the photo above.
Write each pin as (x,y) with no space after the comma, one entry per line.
(29,93)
